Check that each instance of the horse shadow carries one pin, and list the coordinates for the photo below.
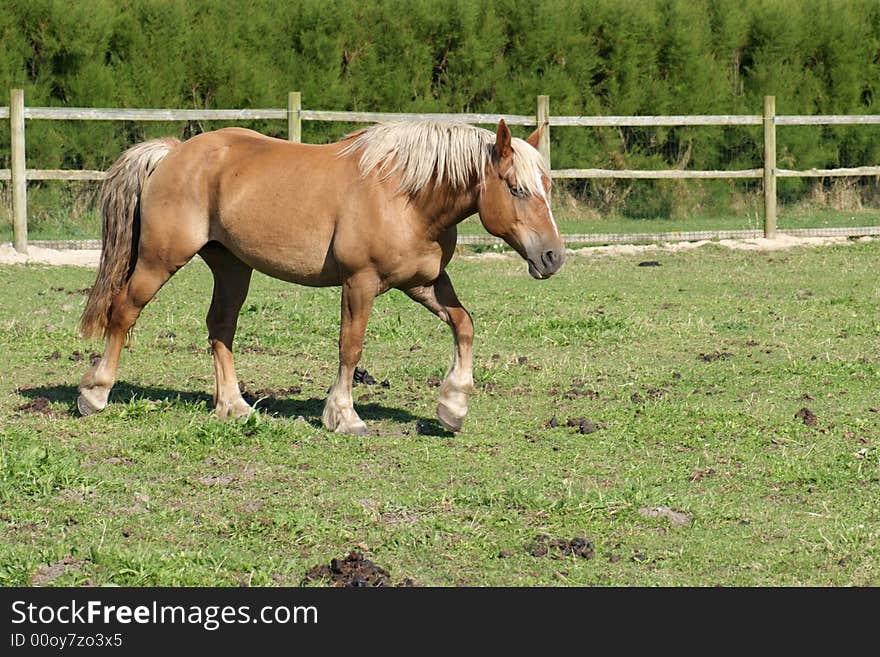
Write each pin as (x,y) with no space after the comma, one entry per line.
(286,407)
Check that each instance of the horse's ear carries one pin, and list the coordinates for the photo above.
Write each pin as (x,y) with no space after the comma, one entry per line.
(535,138)
(503,148)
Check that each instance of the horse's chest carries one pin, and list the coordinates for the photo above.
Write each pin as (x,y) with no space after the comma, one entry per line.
(413,272)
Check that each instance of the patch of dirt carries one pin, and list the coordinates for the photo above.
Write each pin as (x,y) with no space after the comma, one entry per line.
(651,394)
(807,416)
(55,355)
(50,572)
(582,424)
(574,393)
(118,460)
(270,393)
(37,405)
(353,571)
(715,355)
(244,472)
(648,263)
(399,518)
(258,349)
(544,545)
(433,382)
(676,518)
(699,475)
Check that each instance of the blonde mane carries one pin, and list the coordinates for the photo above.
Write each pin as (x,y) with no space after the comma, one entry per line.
(443,152)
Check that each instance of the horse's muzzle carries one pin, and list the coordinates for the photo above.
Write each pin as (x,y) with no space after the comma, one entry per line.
(545,262)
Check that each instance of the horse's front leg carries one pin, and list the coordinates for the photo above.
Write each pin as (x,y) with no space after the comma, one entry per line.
(440,299)
(357,301)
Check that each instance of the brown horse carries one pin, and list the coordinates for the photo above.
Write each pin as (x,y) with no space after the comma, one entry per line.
(374,211)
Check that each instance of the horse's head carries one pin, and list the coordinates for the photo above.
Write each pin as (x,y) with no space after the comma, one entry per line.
(514,204)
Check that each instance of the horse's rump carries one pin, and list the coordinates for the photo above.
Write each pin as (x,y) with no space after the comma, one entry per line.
(120,227)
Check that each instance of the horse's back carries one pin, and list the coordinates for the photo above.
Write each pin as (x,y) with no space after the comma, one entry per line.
(264,199)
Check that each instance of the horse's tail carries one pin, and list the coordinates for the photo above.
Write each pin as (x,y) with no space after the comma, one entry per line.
(120,228)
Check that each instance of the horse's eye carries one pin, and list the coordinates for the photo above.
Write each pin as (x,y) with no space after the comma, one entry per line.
(519,192)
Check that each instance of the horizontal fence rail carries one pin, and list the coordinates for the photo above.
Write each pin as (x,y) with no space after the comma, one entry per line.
(653,121)
(654,173)
(294,114)
(379,117)
(106,114)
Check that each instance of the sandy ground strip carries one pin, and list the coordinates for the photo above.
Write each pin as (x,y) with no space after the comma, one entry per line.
(753,244)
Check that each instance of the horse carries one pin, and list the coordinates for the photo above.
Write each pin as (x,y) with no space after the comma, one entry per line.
(372,212)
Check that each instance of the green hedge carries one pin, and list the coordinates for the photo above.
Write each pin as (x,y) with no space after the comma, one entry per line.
(597,57)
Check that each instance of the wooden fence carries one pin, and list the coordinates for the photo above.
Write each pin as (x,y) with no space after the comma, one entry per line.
(294,114)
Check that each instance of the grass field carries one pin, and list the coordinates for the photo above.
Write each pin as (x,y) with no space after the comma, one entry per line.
(703,469)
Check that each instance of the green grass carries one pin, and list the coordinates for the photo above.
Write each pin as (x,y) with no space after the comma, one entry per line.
(700,366)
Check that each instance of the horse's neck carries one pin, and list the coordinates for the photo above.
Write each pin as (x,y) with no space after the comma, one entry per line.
(444,208)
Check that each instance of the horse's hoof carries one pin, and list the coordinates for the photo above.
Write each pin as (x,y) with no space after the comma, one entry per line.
(358,429)
(448,420)
(238,409)
(86,407)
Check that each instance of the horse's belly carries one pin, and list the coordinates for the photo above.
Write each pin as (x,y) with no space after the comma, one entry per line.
(288,259)
(303,273)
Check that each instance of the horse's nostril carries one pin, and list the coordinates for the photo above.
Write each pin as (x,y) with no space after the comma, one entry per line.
(548,258)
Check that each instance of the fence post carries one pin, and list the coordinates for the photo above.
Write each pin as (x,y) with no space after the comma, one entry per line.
(294,120)
(19,181)
(769,167)
(543,118)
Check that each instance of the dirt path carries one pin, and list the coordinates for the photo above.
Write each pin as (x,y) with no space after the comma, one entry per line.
(753,244)
(37,254)
(89,257)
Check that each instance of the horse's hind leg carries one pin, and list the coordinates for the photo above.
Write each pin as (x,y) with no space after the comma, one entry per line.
(441,300)
(232,279)
(145,281)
